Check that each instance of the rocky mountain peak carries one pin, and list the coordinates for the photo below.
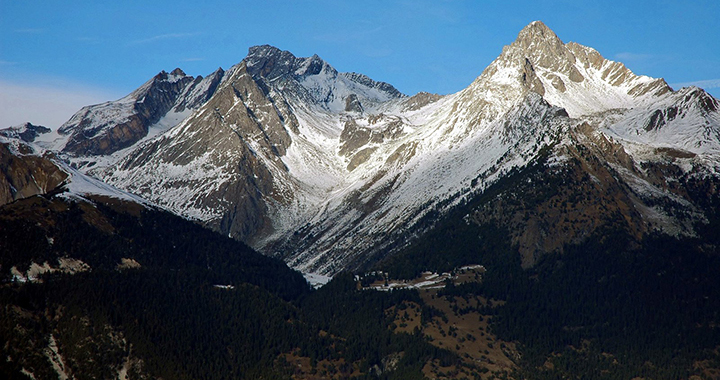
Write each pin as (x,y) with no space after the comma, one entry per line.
(173,76)
(313,66)
(382,86)
(571,76)
(178,72)
(314,79)
(542,47)
(105,128)
(315,164)
(537,33)
(269,62)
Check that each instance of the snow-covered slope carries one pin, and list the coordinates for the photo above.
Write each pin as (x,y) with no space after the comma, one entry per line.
(687,120)
(27,170)
(27,132)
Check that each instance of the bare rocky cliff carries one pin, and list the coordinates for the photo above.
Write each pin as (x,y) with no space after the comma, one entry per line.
(24,174)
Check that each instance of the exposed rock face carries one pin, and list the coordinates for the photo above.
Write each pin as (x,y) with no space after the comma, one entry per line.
(105,128)
(222,168)
(25,175)
(269,62)
(235,144)
(315,81)
(497,124)
(381,86)
(592,187)
(574,76)
(420,100)
(354,137)
(199,92)
(352,104)
(26,132)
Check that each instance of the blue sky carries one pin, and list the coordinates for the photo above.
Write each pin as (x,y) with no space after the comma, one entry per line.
(56,56)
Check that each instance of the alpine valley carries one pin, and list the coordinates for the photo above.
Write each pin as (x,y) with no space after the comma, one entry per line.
(557,218)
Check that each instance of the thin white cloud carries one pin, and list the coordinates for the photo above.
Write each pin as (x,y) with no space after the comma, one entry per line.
(7,63)
(355,34)
(163,37)
(30,30)
(377,52)
(192,59)
(627,56)
(706,84)
(45,105)
(89,40)
(435,9)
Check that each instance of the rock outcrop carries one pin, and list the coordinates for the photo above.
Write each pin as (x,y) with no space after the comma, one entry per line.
(24,174)
(27,132)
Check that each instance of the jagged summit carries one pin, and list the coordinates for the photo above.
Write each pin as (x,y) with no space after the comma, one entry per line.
(272,63)
(314,79)
(26,132)
(537,32)
(544,47)
(570,75)
(178,72)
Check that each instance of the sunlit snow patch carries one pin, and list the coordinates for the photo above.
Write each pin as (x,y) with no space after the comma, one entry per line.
(316,280)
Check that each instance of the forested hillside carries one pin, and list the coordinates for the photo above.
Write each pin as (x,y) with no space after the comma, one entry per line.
(612,306)
(153,295)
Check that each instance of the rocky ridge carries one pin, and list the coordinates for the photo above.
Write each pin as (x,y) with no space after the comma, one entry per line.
(106,128)
(27,132)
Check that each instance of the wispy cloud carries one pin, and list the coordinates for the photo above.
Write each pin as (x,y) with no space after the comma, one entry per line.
(192,59)
(355,34)
(438,10)
(7,63)
(627,56)
(89,40)
(30,30)
(706,84)
(163,37)
(377,52)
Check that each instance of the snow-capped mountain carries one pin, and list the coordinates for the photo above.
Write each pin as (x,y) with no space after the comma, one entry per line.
(245,157)
(331,170)
(165,100)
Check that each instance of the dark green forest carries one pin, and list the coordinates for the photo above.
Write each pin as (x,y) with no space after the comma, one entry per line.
(167,318)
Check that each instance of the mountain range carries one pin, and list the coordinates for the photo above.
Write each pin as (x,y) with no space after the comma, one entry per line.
(552,149)
(332,171)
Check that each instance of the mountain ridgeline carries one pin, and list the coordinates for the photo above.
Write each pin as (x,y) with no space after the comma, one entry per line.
(329,171)
(589,194)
